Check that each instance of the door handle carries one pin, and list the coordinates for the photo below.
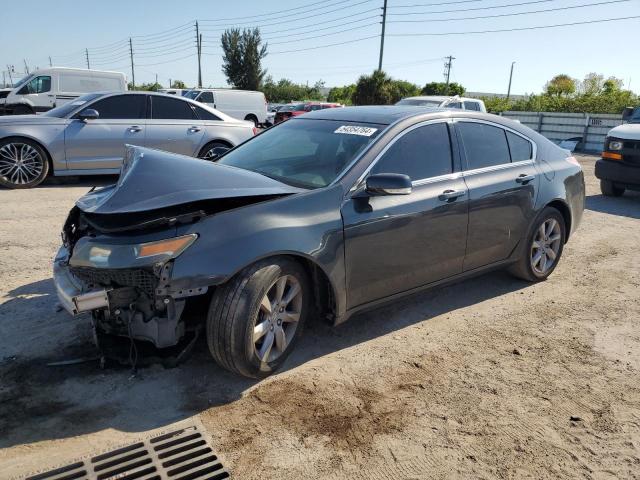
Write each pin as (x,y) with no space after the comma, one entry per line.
(452,194)
(524,179)
(135,129)
(194,129)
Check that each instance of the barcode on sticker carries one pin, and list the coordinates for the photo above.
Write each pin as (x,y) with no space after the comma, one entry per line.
(356,130)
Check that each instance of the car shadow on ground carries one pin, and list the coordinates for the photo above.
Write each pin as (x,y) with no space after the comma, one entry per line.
(42,402)
(627,205)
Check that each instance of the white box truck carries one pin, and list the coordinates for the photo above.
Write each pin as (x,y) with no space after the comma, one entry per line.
(240,104)
(47,88)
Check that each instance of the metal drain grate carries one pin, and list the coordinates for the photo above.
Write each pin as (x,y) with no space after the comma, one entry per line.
(181,455)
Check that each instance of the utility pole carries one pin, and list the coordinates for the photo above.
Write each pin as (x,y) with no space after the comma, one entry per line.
(26,67)
(199,49)
(4,80)
(384,24)
(156,84)
(510,78)
(169,83)
(447,72)
(9,71)
(50,62)
(86,51)
(133,73)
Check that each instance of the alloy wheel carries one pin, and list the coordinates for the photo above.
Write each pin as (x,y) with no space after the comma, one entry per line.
(277,319)
(20,163)
(546,246)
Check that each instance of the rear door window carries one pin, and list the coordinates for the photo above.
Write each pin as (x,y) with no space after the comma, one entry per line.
(484,145)
(168,108)
(519,147)
(205,114)
(424,152)
(121,107)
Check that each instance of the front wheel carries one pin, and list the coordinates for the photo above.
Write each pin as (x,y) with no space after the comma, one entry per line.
(23,163)
(207,152)
(544,247)
(255,319)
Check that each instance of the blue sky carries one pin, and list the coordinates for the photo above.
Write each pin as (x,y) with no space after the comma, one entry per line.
(64,29)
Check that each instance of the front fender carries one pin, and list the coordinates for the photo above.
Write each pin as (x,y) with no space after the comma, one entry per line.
(307,225)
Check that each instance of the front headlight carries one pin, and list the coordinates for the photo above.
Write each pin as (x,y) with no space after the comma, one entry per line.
(615,145)
(87,253)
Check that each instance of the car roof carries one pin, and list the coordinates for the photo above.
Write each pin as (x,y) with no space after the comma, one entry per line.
(441,98)
(385,115)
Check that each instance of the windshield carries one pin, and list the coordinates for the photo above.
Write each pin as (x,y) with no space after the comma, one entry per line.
(192,94)
(635,118)
(23,80)
(304,153)
(419,103)
(63,110)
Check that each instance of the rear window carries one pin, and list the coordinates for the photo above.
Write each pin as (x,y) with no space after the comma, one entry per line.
(205,114)
(419,103)
(472,106)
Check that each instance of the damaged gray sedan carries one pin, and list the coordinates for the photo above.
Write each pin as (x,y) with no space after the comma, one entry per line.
(321,216)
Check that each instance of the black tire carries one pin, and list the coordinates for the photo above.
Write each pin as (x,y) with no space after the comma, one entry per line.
(236,309)
(38,164)
(23,110)
(210,146)
(254,119)
(524,267)
(609,189)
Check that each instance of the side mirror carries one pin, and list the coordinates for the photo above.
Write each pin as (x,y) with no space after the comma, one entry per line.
(627,113)
(388,184)
(88,114)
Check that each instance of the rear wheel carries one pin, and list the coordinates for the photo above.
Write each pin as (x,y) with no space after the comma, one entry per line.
(23,163)
(256,318)
(207,151)
(544,247)
(609,189)
(254,119)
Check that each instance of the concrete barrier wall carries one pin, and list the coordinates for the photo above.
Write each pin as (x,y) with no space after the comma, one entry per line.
(591,128)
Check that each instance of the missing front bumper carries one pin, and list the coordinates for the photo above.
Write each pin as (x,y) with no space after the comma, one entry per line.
(70,293)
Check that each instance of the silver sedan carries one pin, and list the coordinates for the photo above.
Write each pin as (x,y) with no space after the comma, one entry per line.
(87,136)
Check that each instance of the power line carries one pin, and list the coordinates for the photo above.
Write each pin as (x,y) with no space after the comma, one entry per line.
(537,27)
(557,9)
(325,46)
(472,9)
(415,5)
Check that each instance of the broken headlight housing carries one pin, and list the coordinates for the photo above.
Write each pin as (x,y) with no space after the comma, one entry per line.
(88,253)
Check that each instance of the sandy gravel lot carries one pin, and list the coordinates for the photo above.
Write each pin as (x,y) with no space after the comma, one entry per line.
(490,378)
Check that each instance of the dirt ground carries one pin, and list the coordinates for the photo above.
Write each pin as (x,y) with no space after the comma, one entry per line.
(489,378)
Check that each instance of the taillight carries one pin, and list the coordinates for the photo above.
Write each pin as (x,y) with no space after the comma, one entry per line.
(255,131)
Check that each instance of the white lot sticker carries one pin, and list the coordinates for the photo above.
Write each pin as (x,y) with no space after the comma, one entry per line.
(356,130)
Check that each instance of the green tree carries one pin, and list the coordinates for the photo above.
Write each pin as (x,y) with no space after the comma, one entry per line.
(560,85)
(440,88)
(373,89)
(242,59)
(401,89)
(612,85)
(146,87)
(178,84)
(343,95)
(284,90)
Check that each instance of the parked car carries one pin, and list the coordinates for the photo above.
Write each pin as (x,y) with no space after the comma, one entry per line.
(300,108)
(241,104)
(435,101)
(48,88)
(619,167)
(323,216)
(180,92)
(272,108)
(88,136)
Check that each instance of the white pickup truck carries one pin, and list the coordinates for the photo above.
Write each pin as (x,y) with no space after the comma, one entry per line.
(619,167)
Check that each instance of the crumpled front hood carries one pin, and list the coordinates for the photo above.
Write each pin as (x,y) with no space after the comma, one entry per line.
(152,180)
(628,131)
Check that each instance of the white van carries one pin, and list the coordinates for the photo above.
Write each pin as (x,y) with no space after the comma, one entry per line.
(240,104)
(179,92)
(47,88)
